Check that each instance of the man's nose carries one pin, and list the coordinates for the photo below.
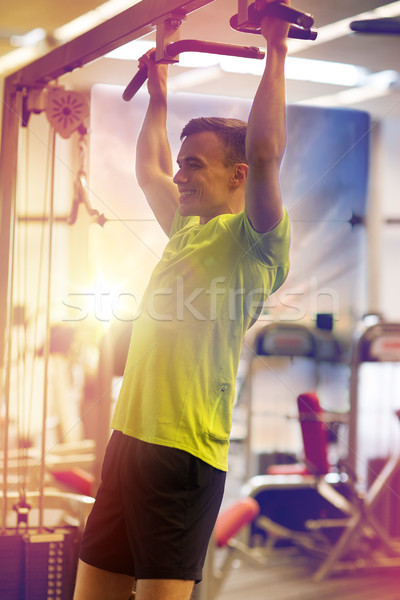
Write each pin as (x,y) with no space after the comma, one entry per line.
(180,177)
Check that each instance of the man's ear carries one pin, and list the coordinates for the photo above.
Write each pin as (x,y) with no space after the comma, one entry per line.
(239,174)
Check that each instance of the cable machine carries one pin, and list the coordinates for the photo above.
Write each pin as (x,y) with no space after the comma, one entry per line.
(41,527)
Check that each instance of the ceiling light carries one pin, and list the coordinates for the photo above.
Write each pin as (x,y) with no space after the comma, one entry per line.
(347,97)
(31,38)
(376,85)
(14,60)
(91,19)
(131,51)
(192,78)
(322,71)
(303,69)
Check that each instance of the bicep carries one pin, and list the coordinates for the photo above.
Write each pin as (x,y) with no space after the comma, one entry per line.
(162,196)
(263,201)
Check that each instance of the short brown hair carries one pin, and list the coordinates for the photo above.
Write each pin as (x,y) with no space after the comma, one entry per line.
(231,132)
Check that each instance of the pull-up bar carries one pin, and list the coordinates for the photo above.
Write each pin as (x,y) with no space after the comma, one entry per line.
(172,50)
(247,20)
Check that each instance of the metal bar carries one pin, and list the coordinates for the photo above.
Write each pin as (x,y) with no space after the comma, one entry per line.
(214,48)
(8,177)
(175,48)
(47,338)
(124,27)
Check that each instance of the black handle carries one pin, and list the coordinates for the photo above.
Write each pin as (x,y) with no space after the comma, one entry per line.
(135,84)
(284,12)
(302,34)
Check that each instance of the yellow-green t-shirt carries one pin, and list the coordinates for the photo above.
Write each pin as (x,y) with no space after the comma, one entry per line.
(206,291)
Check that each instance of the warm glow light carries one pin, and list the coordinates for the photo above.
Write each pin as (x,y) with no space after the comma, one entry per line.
(377,85)
(31,38)
(13,60)
(92,19)
(27,53)
(347,97)
(194,77)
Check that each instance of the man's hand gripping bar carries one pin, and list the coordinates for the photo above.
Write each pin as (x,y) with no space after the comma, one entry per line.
(248,19)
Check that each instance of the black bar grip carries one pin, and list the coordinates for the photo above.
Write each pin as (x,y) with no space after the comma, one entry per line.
(135,84)
(302,34)
(286,13)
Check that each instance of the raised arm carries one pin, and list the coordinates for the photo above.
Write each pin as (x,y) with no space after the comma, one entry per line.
(266,132)
(154,170)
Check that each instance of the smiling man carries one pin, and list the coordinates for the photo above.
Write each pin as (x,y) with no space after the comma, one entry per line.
(164,470)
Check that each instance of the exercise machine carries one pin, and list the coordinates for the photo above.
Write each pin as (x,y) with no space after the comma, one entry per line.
(351,534)
(39,545)
(288,359)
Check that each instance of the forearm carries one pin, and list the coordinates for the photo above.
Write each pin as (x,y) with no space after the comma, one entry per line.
(153,154)
(266,132)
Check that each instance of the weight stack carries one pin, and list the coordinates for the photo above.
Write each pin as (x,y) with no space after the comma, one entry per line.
(38,566)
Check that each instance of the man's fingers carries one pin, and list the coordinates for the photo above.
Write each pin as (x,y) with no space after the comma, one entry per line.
(145,59)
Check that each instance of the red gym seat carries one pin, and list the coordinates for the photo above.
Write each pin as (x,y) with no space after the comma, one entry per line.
(315,440)
(233,519)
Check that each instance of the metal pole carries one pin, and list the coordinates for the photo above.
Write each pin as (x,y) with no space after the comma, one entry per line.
(8,176)
(47,338)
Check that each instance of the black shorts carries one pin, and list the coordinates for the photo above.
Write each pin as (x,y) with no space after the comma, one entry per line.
(154,511)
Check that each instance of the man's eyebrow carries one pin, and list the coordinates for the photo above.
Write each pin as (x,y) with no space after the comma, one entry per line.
(189,159)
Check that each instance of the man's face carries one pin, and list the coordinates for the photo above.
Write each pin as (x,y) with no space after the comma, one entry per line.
(204,181)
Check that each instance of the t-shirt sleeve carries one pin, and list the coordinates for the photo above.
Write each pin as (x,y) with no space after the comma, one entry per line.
(270,248)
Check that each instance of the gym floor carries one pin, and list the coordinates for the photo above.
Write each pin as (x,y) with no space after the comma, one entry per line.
(290,578)
(288,572)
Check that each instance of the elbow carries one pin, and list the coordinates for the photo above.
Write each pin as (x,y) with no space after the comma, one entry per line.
(264,153)
(264,162)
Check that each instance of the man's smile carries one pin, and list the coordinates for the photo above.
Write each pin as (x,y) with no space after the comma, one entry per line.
(184,194)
